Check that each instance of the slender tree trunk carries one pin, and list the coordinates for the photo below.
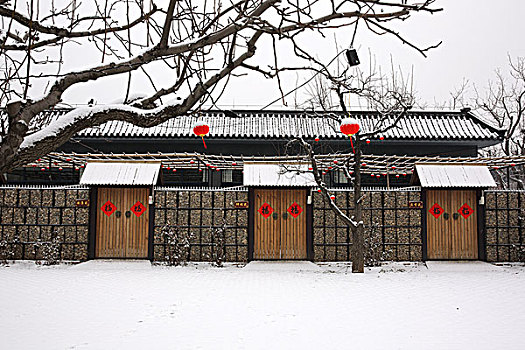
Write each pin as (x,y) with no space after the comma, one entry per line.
(358,246)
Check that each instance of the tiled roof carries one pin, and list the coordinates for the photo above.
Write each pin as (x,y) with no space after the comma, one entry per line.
(417,125)
(284,124)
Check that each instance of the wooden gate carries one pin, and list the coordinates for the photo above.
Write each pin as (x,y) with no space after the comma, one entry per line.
(452,231)
(122,223)
(280,224)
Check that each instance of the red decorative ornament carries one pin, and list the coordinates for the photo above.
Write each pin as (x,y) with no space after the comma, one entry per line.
(381,138)
(363,164)
(367,141)
(372,175)
(174,170)
(332,197)
(512,164)
(378,175)
(397,175)
(60,169)
(319,190)
(335,162)
(234,163)
(192,162)
(350,127)
(393,166)
(310,169)
(201,129)
(316,139)
(404,174)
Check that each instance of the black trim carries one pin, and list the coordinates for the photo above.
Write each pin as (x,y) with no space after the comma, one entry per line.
(151,225)
(309,226)
(251,222)
(92,233)
(424,226)
(482,233)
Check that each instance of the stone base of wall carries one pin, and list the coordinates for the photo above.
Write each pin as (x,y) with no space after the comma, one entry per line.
(31,217)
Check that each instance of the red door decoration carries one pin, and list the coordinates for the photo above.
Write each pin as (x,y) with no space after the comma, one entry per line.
(465,210)
(265,210)
(108,208)
(295,209)
(350,127)
(436,210)
(138,209)
(201,129)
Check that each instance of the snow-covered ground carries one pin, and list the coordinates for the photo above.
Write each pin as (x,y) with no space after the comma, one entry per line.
(132,305)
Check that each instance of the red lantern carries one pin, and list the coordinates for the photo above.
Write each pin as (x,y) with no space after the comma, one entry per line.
(367,141)
(349,127)
(381,138)
(201,129)
(317,139)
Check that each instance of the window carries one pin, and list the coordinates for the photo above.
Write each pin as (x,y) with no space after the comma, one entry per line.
(227,175)
(340,178)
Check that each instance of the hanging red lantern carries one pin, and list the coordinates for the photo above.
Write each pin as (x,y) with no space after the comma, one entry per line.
(367,141)
(317,139)
(350,127)
(381,138)
(201,129)
(332,197)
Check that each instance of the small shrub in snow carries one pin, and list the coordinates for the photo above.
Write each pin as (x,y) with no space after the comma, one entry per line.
(177,246)
(219,242)
(374,254)
(6,252)
(50,250)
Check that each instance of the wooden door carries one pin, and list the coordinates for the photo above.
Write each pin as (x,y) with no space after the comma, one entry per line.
(280,224)
(452,231)
(122,223)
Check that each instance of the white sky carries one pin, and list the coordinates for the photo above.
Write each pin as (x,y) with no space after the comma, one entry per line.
(477,36)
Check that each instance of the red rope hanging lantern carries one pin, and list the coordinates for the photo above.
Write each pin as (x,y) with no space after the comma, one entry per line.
(350,127)
(201,129)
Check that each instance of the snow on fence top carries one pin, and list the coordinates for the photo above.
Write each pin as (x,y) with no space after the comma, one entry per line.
(441,175)
(121,173)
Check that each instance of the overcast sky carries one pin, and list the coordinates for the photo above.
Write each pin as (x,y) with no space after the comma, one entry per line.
(477,36)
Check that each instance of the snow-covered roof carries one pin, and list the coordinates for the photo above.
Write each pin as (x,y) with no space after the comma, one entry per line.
(121,173)
(274,174)
(417,125)
(438,175)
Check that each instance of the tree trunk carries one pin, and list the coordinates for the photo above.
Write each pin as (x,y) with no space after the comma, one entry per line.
(358,256)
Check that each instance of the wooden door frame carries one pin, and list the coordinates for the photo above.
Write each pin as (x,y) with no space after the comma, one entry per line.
(93,212)
(309,219)
(481,230)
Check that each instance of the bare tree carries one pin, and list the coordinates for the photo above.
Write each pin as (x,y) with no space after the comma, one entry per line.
(203,43)
(392,97)
(504,103)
